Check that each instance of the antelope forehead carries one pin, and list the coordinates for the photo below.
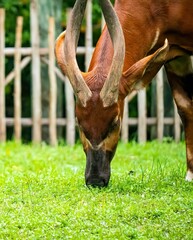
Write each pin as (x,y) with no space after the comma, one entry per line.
(96,123)
(95,116)
(109,142)
(100,129)
(97,127)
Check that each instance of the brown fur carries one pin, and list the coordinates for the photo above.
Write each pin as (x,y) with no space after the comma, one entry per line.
(146,24)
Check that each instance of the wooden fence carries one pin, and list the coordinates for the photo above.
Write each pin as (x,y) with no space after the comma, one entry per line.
(34,55)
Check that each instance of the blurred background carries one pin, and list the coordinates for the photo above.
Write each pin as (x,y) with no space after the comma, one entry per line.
(37,103)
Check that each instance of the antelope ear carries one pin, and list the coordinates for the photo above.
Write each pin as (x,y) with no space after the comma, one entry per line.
(141,73)
(59,51)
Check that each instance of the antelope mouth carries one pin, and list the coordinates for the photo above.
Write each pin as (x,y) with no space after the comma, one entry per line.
(96,182)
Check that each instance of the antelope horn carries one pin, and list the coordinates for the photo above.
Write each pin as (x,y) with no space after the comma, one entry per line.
(67,58)
(110,91)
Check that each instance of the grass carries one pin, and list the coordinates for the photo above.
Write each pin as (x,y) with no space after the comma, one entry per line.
(43,195)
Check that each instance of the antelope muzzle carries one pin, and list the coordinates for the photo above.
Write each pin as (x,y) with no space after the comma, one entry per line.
(97,173)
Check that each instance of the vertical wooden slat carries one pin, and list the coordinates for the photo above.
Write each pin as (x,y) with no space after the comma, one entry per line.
(89,40)
(36,79)
(70,115)
(125,127)
(70,106)
(2,76)
(177,122)
(142,124)
(160,105)
(102,22)
(53,84)
(17,84)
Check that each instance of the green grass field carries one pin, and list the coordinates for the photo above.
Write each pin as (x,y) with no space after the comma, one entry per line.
(43,195)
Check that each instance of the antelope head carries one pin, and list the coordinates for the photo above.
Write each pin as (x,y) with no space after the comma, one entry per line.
(98,109)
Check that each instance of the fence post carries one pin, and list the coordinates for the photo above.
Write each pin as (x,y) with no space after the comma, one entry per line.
(70,106)
(125,126)
(177,129)
(2,76)
(70,116)
(102,22)
(53,84)
(17,84)
(88,38)
(160,104)
(142,123)
(36,79)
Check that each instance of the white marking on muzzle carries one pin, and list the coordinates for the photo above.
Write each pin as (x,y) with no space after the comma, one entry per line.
(189,176)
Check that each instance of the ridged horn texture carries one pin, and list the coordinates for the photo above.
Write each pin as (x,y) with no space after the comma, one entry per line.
(110,91)
(81,90)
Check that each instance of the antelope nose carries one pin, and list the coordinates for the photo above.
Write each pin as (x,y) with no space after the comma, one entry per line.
(96,182)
